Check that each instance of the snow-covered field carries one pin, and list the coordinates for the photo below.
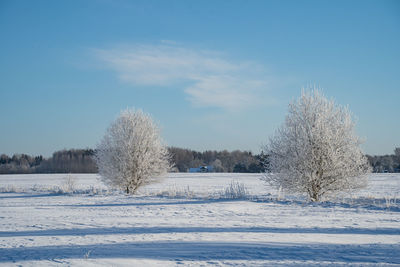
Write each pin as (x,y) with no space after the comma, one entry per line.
(188,220)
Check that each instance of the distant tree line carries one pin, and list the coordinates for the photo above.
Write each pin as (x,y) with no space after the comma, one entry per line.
(386,163)
(221,161)
(19,163)
(81,161)
(64,161)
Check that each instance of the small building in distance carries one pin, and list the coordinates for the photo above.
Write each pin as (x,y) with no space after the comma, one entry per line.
(202,169)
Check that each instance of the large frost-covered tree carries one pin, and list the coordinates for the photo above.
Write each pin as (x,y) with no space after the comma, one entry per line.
(131,153)
(316,151)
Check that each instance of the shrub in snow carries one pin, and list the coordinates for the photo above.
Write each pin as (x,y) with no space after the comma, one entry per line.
(390,201)
(316,151)
(235,190)
(131,153)
(175,192)
(10,189)
(87,254)
(69,185)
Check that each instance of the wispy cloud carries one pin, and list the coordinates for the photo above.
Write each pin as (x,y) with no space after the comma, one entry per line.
(209,78)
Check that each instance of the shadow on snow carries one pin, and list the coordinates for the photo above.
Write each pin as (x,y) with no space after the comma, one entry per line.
(364,203)
(161,230)
(193,251)
(25,195)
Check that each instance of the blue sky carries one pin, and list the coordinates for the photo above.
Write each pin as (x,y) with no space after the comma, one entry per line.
(214,74)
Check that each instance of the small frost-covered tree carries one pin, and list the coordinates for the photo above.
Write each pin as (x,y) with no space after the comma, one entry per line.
(316,151)
(131,153)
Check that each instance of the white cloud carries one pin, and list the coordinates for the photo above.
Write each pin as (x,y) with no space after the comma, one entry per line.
(211,79)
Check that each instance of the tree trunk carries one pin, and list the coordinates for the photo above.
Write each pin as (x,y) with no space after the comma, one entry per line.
(314,197)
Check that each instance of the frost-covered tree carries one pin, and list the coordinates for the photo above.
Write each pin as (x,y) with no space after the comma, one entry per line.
(316,151)
(131,153)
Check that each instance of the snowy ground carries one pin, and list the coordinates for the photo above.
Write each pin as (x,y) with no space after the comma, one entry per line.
(187,220)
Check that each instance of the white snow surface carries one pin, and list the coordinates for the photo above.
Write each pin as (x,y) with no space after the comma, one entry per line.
(188,220)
